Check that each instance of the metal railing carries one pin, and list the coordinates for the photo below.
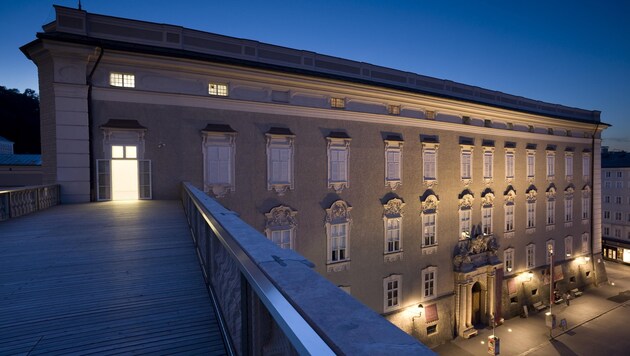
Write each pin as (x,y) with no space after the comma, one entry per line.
(270,300)
(20,201)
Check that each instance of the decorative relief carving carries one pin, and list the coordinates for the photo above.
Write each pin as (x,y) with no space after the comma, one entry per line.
(281,216)
(338,267)
(586,191)
(338,212)
(509,196)
(531,195)
(393,208)
(551,193)
(430,203)
(393,257)
(568,193)
(476,251)
(466,201)
(487,199)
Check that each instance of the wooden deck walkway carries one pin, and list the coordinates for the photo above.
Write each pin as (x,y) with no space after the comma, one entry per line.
(103,278)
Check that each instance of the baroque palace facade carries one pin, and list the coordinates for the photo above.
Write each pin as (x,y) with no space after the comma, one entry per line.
(404,190)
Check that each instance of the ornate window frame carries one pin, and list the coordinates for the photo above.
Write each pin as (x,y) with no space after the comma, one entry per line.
(465,211)
(508,261)
(586,204)
(568,206)
(338,214)
(585,248)
(429,218)
(430,149)
(487,207)
(550,209)
(550,164)
(510,169)
(568,166)
(488,164)
(429,282)
(280,141)
(531,196)
(281,218)
(586,166)
(466,163)
(393,210)
(509,216)
(226,138)
(340,144)
(530,172)
(392,292)
(530,255)
(393,148)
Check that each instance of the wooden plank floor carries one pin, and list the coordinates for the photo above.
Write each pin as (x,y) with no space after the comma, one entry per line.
(103,278)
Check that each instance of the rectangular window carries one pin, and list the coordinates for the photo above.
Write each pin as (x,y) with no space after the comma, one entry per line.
(393,109)
(466,165)
(619,185)
(606,231)
(338,157)
(607,215)
(338,237)
(509,165)
(282,238)
(280,161)
(217,89)
(531,256)
(586,166)
(487,164)
(607,184)
(607,174)
(429,225)
(585,247)
(551,212)
(619,174)
(338,165)
(568,210)
(508,260)
(122,80)
(586,208)
(486,220)
(531,164)
(568,165)
(551,165)
(618,216)
(618,233)
(392,287)
(338,103)
(607,198)
(393,163)
(392,234)
(464,223)
(617,200)
(429,164)
(568,246)
(509,218)
(219,161)
(531,214)
(429,278)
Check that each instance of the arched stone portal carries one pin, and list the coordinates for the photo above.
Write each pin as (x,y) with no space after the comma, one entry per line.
(476,305)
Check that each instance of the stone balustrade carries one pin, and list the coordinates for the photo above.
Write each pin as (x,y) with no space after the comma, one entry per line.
(16,202)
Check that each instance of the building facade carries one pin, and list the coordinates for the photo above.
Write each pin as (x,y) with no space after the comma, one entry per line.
(437,204)
(616,205)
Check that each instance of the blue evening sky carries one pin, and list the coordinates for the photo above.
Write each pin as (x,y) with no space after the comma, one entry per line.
(574,53)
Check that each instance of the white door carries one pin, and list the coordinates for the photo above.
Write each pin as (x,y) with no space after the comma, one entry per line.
(124,173)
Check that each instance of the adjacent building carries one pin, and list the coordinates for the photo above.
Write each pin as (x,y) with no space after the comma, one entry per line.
(616,205)
(437,204)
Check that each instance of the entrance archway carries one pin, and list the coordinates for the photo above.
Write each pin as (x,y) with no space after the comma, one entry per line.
(476,304)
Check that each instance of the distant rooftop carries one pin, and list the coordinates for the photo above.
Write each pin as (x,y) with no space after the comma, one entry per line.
(4,140)
(20,160)
(615,159)
(78,26)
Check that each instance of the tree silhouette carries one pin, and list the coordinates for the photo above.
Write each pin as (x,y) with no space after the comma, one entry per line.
(19,119)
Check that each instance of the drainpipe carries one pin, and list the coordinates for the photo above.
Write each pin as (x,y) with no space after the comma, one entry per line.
(90,122)
(593,201)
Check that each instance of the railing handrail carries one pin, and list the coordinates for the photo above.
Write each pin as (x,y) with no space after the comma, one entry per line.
(299,332)
(28,187)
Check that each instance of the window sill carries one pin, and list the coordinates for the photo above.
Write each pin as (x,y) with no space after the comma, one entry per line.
(568,224)
(585,221)
(429,250)
(338,186)
(508,234)
(430,183)
(393,256)
(219,190)
(338,266)
(550,227)
(279,188)
(530,230)
(393,184)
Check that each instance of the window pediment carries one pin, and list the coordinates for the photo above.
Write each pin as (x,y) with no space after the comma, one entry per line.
(339,212)
(393,208)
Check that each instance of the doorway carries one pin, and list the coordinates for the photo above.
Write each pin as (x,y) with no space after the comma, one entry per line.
(476,304)
(124,172)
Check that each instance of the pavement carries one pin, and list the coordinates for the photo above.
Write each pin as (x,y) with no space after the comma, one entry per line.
(530,336)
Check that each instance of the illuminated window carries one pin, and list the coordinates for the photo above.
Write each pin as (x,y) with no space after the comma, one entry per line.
(429,160)
(551,212)
(393,109)
(486,220)
(466,164)
(122,80)
(392,234)
(392,287)
(338,103)
(429,229)
(120,152)
(218,89)
(429,280)
(464,222)
(338,242)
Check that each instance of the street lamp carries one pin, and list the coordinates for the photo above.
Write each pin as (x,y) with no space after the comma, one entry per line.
(549,317)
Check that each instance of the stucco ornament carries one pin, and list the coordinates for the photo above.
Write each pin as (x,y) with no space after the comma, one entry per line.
(339,211)
(394,208)
(476,251)
(487,199)
(281,216)
(466,201)
(531,195)
(430,203)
